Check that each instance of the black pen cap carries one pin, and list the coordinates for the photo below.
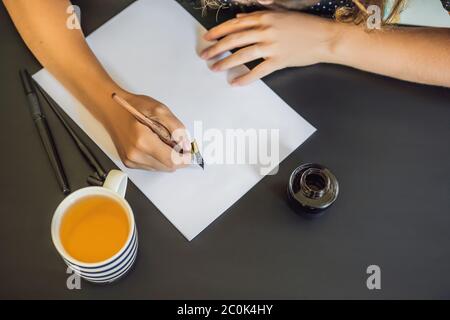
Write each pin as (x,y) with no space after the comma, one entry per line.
(27,82)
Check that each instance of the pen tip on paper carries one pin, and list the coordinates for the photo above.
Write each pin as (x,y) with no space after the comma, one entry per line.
(200,160)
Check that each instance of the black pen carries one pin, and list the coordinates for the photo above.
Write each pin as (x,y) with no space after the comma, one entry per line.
(44,131)
(95,164)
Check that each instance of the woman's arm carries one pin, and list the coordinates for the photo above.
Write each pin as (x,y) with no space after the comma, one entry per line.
(65,53)
(414,54)
(290,39)
(62,51)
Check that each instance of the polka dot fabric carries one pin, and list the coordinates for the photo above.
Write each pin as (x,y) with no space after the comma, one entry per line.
(446,4)
(327,7)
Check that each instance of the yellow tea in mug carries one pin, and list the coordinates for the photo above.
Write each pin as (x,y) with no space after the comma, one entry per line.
(94,229)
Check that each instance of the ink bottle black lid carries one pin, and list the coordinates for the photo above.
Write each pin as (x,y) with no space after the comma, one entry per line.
(312,189)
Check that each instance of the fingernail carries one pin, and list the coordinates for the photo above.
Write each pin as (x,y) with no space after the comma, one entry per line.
(204,55)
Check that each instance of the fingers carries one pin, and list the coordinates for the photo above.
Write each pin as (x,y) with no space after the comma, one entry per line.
(145,162)
(171,158)
(159,112)
(233,41)
(140,147)
(149,152)
(233,25)
(178,131)
(242,56)
(246,31)
(246,14)
(150,144)
(260,71)
(138,159)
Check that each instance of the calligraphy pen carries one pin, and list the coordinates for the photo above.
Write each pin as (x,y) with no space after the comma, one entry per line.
(159,129)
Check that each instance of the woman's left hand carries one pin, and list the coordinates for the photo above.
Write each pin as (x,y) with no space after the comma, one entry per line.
(282,39)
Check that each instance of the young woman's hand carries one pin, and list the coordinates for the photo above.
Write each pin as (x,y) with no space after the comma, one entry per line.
(138,146)
(282,39)
(65,53)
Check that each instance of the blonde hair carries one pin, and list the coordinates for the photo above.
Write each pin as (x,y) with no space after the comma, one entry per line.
(358,13)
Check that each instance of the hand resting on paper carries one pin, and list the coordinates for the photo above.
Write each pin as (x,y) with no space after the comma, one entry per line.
(282,39)
(293,39)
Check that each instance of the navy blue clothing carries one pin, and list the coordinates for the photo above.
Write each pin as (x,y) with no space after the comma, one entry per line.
(328,7)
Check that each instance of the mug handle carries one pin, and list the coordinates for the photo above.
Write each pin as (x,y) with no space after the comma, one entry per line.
(116,181)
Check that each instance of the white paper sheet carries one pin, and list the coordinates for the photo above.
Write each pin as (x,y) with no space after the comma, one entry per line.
(429,13)
(157,56)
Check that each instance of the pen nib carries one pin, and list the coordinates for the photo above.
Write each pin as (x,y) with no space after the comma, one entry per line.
(200,161)
(196,155)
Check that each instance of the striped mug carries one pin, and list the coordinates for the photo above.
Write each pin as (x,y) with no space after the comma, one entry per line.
(121,262)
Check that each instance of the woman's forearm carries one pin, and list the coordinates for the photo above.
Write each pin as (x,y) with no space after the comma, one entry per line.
(414,54)
(62,51)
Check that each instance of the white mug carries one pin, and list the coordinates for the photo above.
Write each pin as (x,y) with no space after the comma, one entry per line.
(116,266)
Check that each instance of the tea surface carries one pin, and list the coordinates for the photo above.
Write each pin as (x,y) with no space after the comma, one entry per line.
(94,229)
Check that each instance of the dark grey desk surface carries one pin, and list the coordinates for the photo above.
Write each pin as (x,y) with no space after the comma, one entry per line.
(386,140)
